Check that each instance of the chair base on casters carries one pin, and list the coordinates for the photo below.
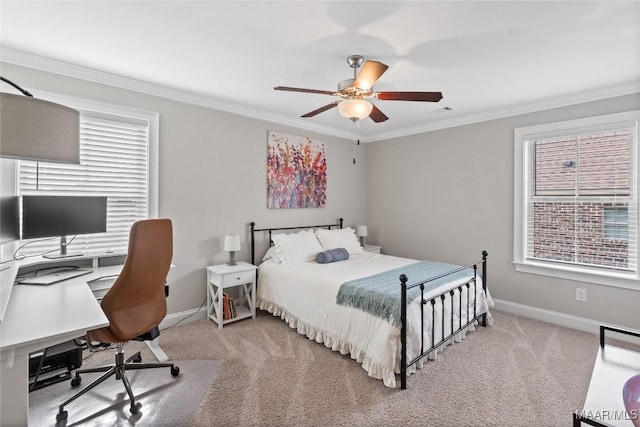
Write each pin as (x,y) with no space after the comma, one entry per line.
(119,370)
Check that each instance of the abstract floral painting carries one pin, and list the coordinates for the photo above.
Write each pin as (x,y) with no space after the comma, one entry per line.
(296,172)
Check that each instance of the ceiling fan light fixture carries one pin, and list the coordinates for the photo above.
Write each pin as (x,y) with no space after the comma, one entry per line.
(355,109)
(354,93)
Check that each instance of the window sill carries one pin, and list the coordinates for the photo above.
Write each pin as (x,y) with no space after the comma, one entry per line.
(619,280)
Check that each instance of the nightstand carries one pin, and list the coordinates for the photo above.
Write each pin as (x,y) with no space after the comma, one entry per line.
(241,276)
(374,249)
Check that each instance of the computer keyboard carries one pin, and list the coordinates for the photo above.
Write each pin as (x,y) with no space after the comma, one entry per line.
(54,277)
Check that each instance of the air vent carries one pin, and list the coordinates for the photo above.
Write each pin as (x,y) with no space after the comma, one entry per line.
(440,110)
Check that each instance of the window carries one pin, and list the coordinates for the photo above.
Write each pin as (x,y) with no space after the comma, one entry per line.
(575,204)
(616,223)
(118,157)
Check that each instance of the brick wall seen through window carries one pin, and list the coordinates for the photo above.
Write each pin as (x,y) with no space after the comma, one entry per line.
(579,181)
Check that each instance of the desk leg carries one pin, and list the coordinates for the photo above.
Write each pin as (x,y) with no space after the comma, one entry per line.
(14,391)
(157,351)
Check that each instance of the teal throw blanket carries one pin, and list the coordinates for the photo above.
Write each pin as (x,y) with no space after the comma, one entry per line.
(380,294)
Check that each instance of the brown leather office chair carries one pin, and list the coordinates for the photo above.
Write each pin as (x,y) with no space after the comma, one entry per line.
(135,305)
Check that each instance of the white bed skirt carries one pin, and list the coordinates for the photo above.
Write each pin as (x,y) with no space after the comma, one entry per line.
(310,308)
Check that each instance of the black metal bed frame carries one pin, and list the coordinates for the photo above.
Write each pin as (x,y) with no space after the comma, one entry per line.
(472,283)
(461,327)
(270,230)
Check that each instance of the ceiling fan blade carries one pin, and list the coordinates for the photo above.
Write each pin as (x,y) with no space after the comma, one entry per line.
(321,109)
(377,116)
(369,74)
(298,89)
(410,96)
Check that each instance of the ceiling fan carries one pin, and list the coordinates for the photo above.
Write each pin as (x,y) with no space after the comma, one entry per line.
(355,92)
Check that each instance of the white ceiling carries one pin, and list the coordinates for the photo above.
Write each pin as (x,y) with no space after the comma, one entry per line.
(489,59)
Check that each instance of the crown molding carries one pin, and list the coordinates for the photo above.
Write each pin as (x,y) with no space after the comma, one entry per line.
(12,56)
(516,110)
(41,63)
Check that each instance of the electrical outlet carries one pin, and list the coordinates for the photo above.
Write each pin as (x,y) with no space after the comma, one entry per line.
(581,294)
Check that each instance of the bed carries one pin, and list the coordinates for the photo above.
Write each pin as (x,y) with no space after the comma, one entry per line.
(388,313)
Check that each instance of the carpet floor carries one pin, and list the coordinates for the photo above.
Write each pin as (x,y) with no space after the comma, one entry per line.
(518,372)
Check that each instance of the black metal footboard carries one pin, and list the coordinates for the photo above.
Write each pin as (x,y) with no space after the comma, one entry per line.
(456,327)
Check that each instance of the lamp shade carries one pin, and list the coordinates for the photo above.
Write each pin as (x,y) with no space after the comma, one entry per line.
(355,109)
(34,129)
(361,230)
(231,242)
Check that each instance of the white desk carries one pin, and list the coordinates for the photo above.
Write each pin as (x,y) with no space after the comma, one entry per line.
(37,317)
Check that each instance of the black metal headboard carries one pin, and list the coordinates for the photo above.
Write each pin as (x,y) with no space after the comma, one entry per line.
(270,230)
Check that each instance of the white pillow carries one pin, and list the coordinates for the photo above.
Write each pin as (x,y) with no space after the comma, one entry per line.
(297,247)
(272,253)
(340,238)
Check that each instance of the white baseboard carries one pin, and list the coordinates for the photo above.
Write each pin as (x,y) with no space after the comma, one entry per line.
(183,317)
(557,318)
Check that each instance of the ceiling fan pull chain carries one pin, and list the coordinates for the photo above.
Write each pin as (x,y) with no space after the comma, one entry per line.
(356,141)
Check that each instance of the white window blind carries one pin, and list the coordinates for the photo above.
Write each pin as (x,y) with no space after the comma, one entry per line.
(576,199)
(114,162)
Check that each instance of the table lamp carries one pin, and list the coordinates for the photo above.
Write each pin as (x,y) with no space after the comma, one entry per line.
(361,232)
(231,245)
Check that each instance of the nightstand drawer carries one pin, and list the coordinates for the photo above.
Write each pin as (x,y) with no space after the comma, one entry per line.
(237,278)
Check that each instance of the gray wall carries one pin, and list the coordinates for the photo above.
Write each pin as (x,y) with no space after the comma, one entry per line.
(448,194)
(443,195)
(213,177)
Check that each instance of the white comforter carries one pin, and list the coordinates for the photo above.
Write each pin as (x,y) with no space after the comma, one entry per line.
(305,296)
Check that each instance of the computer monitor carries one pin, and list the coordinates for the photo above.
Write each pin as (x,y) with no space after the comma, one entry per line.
(9,219)
(50,216)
